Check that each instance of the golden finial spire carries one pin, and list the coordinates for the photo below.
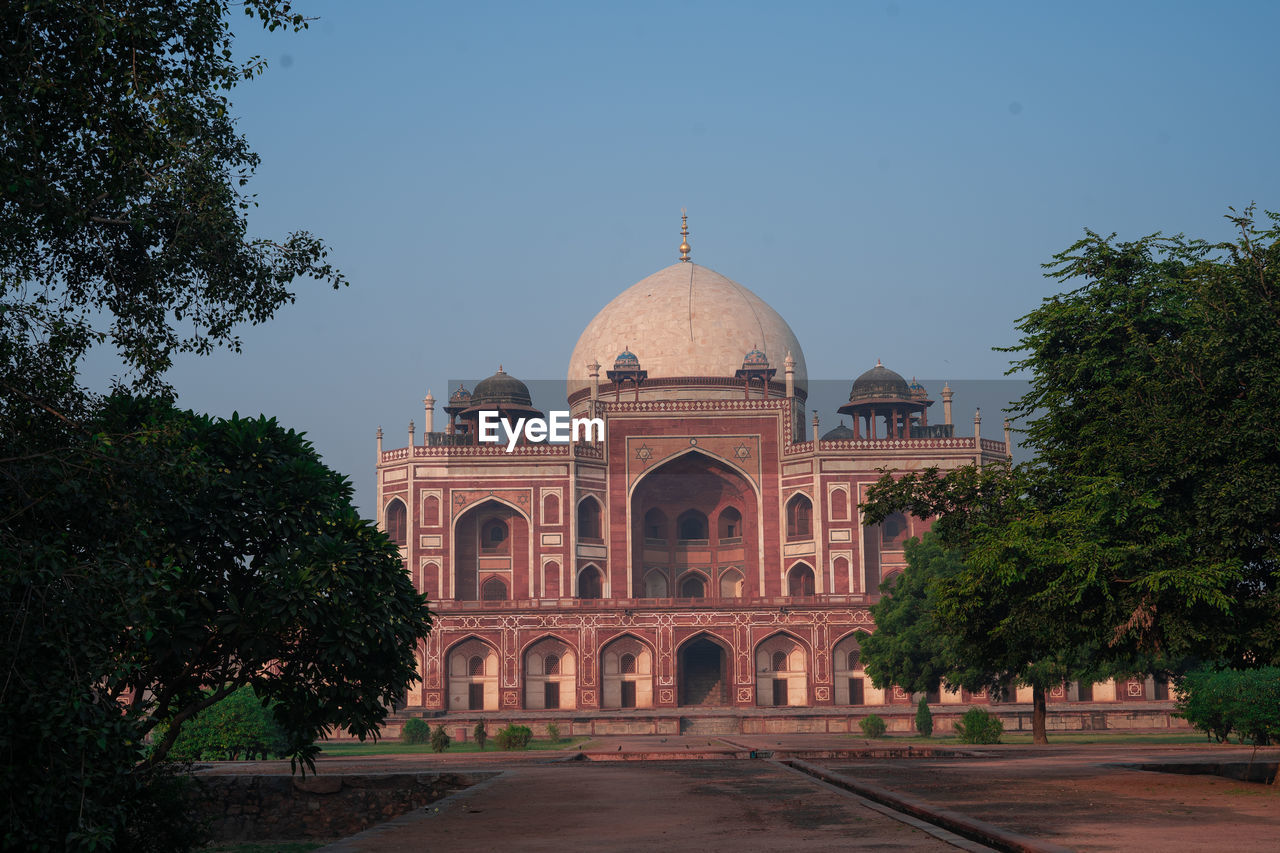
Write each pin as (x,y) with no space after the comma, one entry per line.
(684,234)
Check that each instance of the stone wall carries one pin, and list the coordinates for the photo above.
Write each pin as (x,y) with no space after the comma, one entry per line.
(252,808)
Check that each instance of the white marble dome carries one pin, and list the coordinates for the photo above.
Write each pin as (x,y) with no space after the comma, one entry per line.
(685,320)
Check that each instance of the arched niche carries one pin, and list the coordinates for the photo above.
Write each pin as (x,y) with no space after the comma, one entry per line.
(627,668)
(550,670)
(472,670)
(782,671)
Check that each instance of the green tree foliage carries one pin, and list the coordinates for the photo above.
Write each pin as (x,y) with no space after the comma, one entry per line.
(440,739)
(150,557)
(924,718)
(553,733)
(873,726)
(1219,702)
(189,558)
(238,726)
(124,206)
(481,734)
(415,731)
(978,725)
(1155,384)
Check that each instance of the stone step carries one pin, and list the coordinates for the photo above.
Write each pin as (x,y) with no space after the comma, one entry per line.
(710,726)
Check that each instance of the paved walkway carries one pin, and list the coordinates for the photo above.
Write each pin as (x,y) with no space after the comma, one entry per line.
(633,794)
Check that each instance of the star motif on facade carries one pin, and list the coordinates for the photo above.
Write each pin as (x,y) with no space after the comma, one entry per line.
(742,451)
(644,453)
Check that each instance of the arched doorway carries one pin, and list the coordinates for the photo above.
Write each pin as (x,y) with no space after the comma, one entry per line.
(782,672)
(627,667)
(703,671)
(473,676)
(549,675)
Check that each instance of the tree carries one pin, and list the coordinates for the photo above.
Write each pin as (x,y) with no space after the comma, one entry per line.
(1155,384)
(191,558)
(1145,530)
(123,223)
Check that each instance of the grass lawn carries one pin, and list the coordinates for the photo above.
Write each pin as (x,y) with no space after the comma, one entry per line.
(395,747)
(1118,737)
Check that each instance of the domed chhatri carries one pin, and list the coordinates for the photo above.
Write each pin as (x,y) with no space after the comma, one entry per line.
(755,359)
(840,432)
(686,321)
(879,383)
(626,360)
(500,391)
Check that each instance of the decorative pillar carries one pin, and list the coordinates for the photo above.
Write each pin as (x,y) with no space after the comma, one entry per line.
(1008,439)
(429,422)
(977,436)
(379,444)
(411,433)
(593,369)
(947,394)
(789,373)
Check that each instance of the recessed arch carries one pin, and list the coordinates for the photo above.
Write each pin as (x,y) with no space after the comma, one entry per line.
(590,519)
(472,688)
(696,451)
(590,581)
(799,512)
(852,686)
(396,515)
(801,582)
(656,584)
(704,670)
(482,548)
(731,582)
(550,672)
(782,670)
(626,672)
(692,584)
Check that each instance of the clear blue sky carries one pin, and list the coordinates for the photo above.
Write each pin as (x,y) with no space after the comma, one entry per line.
(888,175)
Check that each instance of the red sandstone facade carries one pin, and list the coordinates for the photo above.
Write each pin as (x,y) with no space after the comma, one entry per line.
(707,553)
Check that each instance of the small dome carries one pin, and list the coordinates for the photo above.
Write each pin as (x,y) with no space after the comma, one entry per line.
(460,397)
(755,359)
(839,432)
(626,360)
(918,391)
(501,389)
(879,383)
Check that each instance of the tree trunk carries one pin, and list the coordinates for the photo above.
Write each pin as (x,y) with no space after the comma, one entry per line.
(1038,713)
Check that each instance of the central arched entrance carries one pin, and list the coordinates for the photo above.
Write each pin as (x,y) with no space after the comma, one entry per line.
(693,514)
(703,668)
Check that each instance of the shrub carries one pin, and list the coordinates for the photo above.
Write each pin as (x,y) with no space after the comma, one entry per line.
(924,718)
(415,731)
(872,726)
(553,733)
(1246,702)
(514,737)
(481,734)
(440,739)
(979,726)
(238,726)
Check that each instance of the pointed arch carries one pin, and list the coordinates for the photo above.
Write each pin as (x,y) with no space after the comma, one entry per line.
(491,537)
(549,664)
(801,580)
(852,686)
(590,519)
(799,516)
(590,581)
(838,504)
(731,581)
(704,670)
(396,516)
(471,687)
(692,584)
(626,672)
(782,662)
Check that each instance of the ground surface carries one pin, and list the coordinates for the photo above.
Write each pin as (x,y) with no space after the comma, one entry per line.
(1077,796)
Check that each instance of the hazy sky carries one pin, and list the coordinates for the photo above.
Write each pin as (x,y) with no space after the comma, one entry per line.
(888,176)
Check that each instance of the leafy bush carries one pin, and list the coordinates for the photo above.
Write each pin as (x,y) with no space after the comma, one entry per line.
(872,726)
(415,730)
(514,737)
(924,718)
(440,739)
(239,726)
(979,726)
(553,733)
(1246,702)
(481,734)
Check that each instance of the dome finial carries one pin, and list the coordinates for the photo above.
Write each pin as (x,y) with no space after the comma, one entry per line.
(684,234)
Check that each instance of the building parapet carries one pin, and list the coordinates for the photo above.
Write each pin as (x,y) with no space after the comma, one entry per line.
(782,603)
